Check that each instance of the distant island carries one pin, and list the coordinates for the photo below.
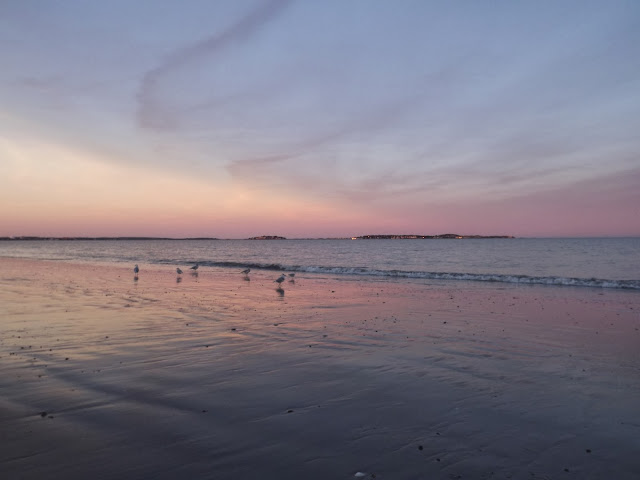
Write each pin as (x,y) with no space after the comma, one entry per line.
(411,237)
(267,237)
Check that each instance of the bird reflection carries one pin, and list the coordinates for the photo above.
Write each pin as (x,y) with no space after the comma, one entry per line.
(178,279)
(280,291)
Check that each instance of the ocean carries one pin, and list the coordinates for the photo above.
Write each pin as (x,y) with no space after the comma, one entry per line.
(404,359)
(579,262)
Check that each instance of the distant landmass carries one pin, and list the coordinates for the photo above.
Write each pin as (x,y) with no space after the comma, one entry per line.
(270,237)
(267,237)
(103,238)
(409,237)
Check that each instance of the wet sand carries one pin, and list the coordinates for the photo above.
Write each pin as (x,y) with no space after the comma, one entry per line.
(220,377)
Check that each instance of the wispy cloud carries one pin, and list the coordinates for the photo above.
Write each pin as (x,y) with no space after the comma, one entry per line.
(152,112)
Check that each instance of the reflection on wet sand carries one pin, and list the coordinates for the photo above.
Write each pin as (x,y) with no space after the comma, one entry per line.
(392,379)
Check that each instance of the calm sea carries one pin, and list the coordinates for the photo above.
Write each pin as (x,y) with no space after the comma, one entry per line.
(588,262)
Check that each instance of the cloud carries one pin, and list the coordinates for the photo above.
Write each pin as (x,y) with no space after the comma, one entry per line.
(152,113)
(313,149)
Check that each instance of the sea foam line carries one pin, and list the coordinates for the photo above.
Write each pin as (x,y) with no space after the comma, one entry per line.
(476,277)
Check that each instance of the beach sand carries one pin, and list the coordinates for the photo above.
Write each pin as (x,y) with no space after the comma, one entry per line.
(217,376)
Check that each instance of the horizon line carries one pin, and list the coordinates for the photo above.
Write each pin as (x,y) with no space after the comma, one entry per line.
(446,236)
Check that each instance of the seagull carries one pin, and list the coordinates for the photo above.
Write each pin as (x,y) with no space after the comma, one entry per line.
(195,267)
(280,279)
(136,269)
(178,271)
(246,271)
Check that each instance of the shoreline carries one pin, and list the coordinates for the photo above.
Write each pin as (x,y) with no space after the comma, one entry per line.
(219,377)
(469,280)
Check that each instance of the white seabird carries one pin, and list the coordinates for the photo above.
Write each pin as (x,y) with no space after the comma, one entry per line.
(178,271)
(280,279)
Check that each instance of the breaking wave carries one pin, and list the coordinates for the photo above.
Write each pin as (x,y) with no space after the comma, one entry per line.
(476,277)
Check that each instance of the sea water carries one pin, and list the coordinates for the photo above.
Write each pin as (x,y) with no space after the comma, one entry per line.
(588,262)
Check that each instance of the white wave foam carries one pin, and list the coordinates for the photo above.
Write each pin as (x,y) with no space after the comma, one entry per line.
(475,277)
(478,277)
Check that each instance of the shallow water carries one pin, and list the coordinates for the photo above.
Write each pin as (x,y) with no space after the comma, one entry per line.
(591,262)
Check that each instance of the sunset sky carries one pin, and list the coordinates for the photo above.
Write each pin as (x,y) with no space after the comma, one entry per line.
(319,118)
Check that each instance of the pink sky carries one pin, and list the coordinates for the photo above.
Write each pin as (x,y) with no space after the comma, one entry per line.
(512,121)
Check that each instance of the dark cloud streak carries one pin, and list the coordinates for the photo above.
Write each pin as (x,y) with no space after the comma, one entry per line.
(151,114)
(368,122)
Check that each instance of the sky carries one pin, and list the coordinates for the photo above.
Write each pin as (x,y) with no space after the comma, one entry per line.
(303,118)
